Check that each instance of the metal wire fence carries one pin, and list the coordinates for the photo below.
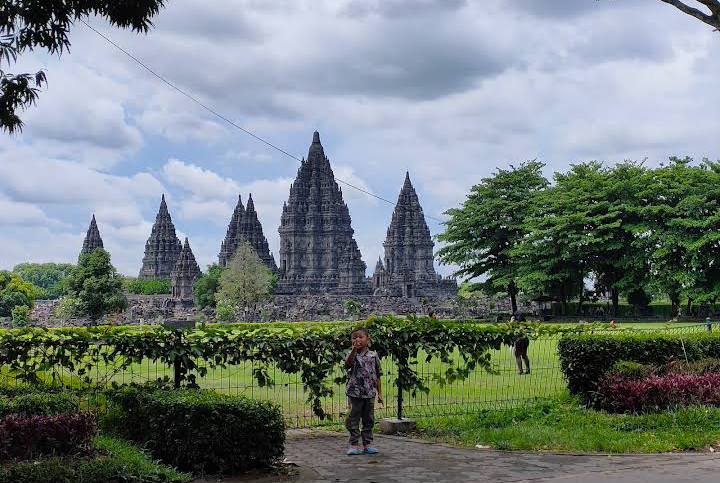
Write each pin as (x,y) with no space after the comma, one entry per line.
(503,388)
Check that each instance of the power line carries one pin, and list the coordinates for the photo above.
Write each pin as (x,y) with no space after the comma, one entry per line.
(220,116)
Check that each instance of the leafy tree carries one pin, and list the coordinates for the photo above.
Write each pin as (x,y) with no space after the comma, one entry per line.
(30,24)
(95,286)
(482,234)
(15,292)
(683,229)
(49,276)
(246,280)
(21,316)
(207,286)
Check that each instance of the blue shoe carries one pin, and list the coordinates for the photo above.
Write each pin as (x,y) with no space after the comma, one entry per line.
(371,450)
(353,451)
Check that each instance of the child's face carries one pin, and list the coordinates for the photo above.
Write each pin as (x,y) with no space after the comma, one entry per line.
(360,340)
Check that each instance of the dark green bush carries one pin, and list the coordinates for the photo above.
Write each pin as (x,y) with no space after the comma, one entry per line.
(122,463)
(39,403)
(201,431)
(586,358)
(630,370)
(12,390)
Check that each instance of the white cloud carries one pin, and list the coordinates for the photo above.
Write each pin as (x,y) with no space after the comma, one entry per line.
(202,183)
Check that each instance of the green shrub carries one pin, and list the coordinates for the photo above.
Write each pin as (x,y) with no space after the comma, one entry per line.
(22,389)
(149,287)
(123,463)
(202,431)
(38,403)
(20,316)
(630,370)
(586,358)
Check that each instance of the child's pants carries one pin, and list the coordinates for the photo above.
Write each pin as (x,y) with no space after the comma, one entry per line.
(360,408)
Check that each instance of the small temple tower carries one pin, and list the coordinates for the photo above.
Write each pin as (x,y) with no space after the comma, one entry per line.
(245,224)
(163,248)
(318,253)
(407,270)
(92,239)
(184,274)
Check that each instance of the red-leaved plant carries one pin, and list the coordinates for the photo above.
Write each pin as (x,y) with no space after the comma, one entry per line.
(619,394)
(27,437)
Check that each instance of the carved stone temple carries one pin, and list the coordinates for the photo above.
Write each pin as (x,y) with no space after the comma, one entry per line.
(244,224)
(318,253)
(184,274)
(407,270)
(92,239)
(163,248)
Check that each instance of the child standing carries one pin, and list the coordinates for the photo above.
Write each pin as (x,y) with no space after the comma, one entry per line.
(362,387)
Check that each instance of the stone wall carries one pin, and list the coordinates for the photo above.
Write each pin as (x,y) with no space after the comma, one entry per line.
(153,309)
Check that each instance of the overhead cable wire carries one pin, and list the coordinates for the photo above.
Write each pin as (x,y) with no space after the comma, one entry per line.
(224,118)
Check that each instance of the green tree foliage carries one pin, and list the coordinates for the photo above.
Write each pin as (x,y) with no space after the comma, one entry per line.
(95,286)
(16,292)
(31,24)
(149,286)
(246,280)
(683,228)
(207,286)
(49,276)
(482,234)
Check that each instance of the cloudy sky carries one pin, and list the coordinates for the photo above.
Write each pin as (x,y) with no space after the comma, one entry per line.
(449,90)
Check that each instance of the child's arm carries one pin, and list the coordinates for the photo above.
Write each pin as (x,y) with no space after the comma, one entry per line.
(379,390)
(350,360)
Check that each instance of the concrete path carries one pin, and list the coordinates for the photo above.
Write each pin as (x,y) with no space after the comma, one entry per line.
(410,460)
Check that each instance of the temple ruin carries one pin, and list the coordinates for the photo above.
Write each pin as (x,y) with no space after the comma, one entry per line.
(184,274)
(92,239)
(244,224)
(163,248)
(408,270)
(318,253)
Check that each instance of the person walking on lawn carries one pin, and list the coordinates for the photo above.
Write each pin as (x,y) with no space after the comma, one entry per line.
(363,386)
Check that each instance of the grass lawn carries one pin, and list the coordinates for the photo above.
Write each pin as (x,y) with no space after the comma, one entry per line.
(481,390)
(561,424)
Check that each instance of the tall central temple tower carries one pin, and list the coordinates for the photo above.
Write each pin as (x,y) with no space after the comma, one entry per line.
(318,253)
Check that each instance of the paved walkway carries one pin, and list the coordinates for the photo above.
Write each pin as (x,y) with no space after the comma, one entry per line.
(409,460)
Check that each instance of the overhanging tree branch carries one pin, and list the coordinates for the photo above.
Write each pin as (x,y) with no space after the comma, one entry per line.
(713,5)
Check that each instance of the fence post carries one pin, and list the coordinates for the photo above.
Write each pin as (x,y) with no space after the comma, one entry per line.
(178,326)
(402,363)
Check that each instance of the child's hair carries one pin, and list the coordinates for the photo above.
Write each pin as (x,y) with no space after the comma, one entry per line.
(361,329)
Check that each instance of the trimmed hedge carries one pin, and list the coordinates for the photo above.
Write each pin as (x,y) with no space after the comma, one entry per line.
(201,431)
(27,437)
(586,358)
(39,403)
(123,464)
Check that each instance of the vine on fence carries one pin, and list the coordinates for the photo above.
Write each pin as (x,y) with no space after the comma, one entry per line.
(309,349)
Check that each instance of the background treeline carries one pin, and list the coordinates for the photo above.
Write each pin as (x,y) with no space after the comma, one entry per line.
(626,231)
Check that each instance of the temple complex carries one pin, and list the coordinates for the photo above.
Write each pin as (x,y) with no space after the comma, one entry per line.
(163,248)
(408,270)
(92,239)
(184,274)
(244,224)
(318,253)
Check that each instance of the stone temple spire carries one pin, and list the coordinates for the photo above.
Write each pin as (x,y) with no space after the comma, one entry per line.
(163,248)
(318,253)
(92,238)
(231,242)
(245,224)
(408,268)
(185,272)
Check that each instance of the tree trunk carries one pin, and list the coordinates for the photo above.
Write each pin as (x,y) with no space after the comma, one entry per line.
(689,306)
(615,301)
(512,291)
(675,305)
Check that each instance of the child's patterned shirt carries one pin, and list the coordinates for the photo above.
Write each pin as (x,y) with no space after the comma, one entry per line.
(362,382)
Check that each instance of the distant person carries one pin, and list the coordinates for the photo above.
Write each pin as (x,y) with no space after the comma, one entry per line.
(363,386)
(432,315)
(613,324)
(521,348)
